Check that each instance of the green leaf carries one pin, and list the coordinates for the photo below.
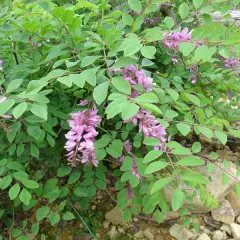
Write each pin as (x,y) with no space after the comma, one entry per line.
(147,97)
(150,141)
(155,166)
(30,184)
(74,177)
(34,131)
(127,164)
(78,79)
(127,19)
(34,151)
(19,109)
(206,132)
(15,232)
(6,105)
(173,94)
(100,184)
(25,196)
(66,80)
(14,191)
(196,147)
(14,84)
(183,10)
(42,212)
(183,128)
(88,75)
(129,110)
(88,60)
(158,216)
(100,93)
(67,216)
(123,62)
(190,161)
(80,192)
(5,182)
(127,215)
(197,3)
(169,22)
(170,114)
(196,178)
(63,171)
(159,184)
(35,228)
(135,5)
(115,149)
(222,137)
(148,51)
(54,218)
(177,199)
(152,155)
(150,107)
(40,111)
(192,98)
(122,85)
(237,189)
(186,48)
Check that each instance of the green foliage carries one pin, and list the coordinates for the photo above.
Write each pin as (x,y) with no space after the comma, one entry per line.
(58,53)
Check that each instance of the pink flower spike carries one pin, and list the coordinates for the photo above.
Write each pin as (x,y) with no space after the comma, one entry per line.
(6,116)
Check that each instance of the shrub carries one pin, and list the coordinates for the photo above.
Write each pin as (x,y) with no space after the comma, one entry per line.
(137,83)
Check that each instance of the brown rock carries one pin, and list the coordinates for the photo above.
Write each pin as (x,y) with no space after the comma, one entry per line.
(234,202)
(114,216)
(224,213)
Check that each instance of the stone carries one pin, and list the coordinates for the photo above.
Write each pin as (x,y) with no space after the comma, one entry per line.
(180,232)
(219,193)
(139,234)
(135,219)
(226,228)
(203,236)
(106,224)
(235,230)
(218,235)
(147,233)
(205,230)
(121,230)
(93,207)
(224,213)
(234,201)
(113,233)
(114,216)
(238,219)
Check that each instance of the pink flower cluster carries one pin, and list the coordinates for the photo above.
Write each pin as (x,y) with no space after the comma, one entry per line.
(173,40)
(135,76)
(233,64)
(81,137)
(150,126)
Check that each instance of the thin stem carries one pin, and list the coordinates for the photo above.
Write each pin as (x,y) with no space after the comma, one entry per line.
(82,221)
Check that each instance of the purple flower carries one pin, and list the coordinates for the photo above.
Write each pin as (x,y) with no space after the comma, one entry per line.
(135,76)
(150,127)
(172,40)
(81,137)
(174,58)
(233,64)
(83,103)
(3,99)
(135,170)
(193,69)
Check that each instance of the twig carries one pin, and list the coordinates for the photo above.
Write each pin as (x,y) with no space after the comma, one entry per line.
(82,221)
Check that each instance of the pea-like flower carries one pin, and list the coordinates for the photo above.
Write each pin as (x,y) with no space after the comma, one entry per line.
(81,137)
